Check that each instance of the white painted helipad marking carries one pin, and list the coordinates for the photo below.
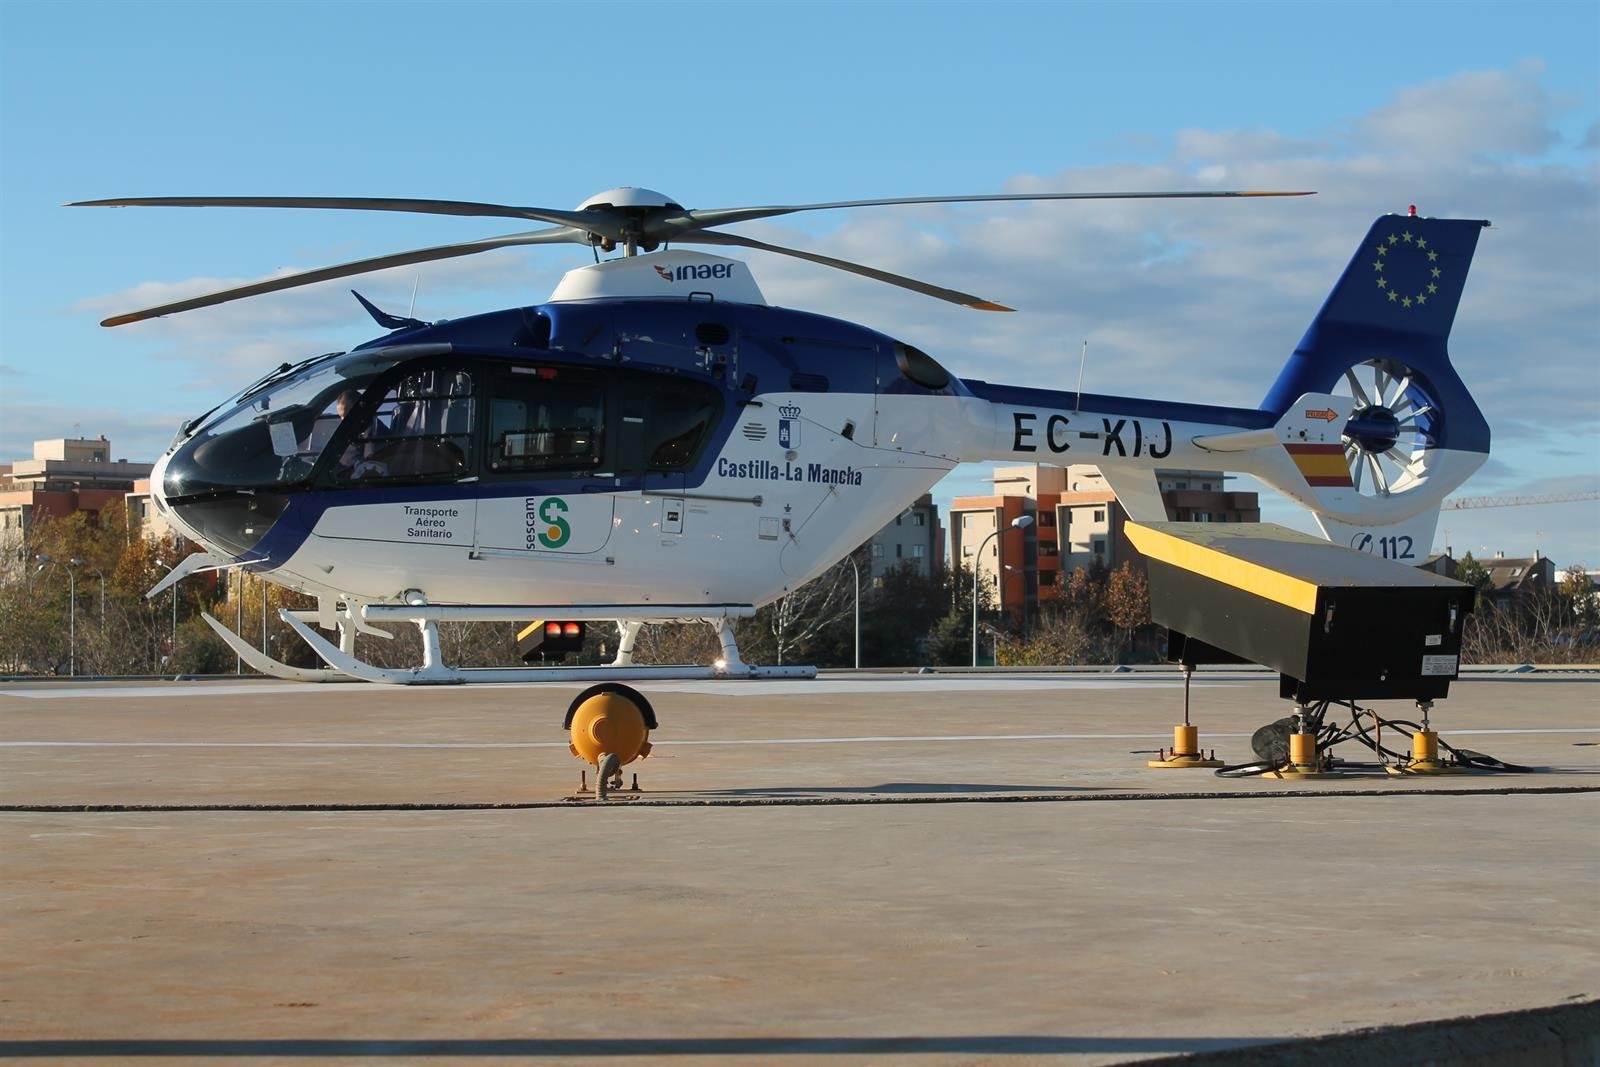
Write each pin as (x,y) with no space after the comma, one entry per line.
(562,744)
(870,739)
(741,688)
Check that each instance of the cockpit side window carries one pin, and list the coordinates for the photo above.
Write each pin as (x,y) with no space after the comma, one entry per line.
(419,428)
(666,423)
(274,437)
(542,420)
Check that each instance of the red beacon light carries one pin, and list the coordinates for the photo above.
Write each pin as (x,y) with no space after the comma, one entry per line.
(1413,211)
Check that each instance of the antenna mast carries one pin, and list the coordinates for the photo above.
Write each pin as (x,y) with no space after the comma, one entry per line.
(1082,359)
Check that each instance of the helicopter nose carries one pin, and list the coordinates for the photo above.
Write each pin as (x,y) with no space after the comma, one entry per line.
(158,497)
(227,521)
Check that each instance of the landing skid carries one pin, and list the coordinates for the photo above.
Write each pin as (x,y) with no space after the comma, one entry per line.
(264,663)
(344,666)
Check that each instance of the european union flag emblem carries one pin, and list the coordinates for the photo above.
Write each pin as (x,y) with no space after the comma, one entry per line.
(1408,275)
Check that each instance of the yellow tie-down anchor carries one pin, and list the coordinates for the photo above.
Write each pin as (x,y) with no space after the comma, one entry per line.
(610,726)
(1185,750)
(1424,751)
(1304,759)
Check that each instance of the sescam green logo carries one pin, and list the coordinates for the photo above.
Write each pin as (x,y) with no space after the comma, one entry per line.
(545,526)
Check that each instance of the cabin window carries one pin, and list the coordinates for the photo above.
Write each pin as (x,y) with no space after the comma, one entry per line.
(420,428)
(665,422)
(920,367)
(539,423)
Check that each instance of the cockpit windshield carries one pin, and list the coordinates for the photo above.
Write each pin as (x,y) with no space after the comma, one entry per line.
(274,437)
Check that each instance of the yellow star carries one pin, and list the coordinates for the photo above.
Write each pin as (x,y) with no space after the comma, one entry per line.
(1393,239)
(1382,284)
(1432,256)
(1434,272)
(1421,243)
(1406,302)
(1378,265)
(1382,248)
(1393,296)
(1432,288)
(1421,299)
(1407,236)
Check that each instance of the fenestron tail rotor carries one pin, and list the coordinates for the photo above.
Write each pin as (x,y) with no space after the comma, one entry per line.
(1390,440)
(633,219)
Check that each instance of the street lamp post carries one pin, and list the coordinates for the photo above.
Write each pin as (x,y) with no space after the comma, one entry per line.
(1021,522)
(172,647)
(1021,572)
(102,576)
(238,610)
(72,609)
(855,567)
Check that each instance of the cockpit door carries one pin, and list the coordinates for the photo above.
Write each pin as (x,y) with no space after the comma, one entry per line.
(548,486)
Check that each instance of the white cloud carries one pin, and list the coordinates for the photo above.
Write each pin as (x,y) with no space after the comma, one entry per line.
(1468,116)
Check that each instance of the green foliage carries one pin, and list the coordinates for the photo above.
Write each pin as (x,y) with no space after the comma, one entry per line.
(200,651)
(1062,637)
(897,614)
(949,644)
(90,590)
(1475,574)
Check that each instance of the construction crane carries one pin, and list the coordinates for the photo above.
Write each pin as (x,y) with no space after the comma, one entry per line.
(1462,502)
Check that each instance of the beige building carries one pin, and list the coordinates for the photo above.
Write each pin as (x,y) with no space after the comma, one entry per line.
(1077,522)
(65,475)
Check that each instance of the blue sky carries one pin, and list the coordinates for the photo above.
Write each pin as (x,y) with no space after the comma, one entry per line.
(1481,110)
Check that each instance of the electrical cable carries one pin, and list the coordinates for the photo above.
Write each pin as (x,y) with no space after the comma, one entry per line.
(1329,734)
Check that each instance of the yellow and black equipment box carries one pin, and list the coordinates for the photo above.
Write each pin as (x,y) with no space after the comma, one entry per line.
(1336,624)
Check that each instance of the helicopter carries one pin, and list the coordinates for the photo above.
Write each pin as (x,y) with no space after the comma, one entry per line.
(656,442)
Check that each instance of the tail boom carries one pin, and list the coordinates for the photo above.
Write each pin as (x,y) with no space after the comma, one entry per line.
(1372,465)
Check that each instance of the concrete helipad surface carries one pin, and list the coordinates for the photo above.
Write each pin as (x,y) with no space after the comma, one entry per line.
(857,868)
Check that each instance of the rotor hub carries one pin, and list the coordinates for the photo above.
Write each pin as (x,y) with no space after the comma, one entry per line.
(631,207)
(630,196)
(1373,429)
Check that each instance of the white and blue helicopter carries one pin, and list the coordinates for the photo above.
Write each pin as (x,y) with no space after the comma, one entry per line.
(656,442)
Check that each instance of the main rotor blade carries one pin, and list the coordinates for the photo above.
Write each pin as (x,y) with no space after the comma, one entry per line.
(952,295)
(591,221)
(559,235)
(691,220)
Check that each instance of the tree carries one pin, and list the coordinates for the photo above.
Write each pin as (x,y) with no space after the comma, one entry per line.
(898,612)
(798,620)
(1060,637)
(1127,600)
(1475,574)
(949,643)
(1578,591)
(1085,591)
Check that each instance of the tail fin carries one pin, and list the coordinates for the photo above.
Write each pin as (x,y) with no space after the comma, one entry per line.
(1375,427)
(1395,303)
